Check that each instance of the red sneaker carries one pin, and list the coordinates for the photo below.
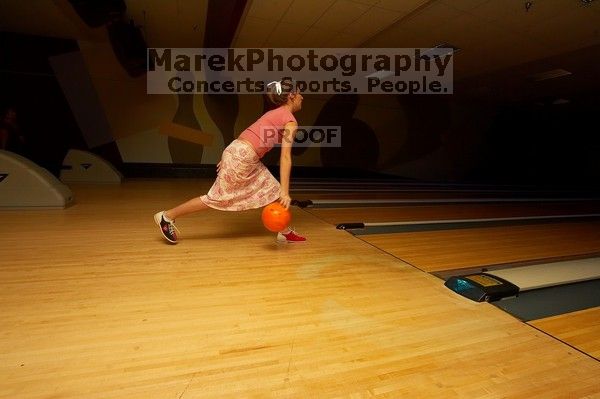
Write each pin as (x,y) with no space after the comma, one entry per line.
(292,236)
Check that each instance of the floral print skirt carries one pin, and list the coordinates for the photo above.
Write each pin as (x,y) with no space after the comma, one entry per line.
(243,181)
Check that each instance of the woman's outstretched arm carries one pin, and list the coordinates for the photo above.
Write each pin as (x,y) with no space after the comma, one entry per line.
(285,163)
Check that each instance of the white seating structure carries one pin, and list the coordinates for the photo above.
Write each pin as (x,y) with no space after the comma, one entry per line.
(23,183)
(85,167)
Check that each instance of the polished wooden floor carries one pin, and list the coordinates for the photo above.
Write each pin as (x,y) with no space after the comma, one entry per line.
(96,305)
(452,211)
(435,251)
(580,329)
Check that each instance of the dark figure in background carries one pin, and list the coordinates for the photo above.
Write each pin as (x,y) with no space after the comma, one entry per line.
(11,138)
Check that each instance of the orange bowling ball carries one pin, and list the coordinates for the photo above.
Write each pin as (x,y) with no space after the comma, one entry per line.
(275,217)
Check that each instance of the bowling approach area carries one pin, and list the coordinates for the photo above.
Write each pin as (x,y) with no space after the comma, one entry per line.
(97,305)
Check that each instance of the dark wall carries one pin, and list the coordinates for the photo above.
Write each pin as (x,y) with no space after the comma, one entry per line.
(446,138)
(543,143)
(28,82)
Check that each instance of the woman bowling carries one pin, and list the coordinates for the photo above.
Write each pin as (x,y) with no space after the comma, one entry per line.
(243,182)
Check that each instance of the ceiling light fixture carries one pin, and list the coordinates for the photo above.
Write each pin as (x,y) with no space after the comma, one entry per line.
(555,73)
(382,74)
(440,50)
(528,5)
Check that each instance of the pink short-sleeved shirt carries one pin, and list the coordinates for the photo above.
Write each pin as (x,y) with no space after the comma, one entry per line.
(268,130)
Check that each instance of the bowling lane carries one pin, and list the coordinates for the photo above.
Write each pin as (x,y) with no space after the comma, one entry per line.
(325,186)
(437,251)
(374,193)
(450,211)
(579,329)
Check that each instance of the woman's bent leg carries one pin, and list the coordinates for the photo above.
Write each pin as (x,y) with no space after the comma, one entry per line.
(191,206)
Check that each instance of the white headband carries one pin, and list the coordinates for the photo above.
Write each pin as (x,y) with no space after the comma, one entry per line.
(277,86)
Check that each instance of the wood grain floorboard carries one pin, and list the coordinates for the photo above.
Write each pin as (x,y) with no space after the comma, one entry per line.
(96,305)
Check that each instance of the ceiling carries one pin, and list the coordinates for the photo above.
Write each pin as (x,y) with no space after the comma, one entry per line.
(492,34)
